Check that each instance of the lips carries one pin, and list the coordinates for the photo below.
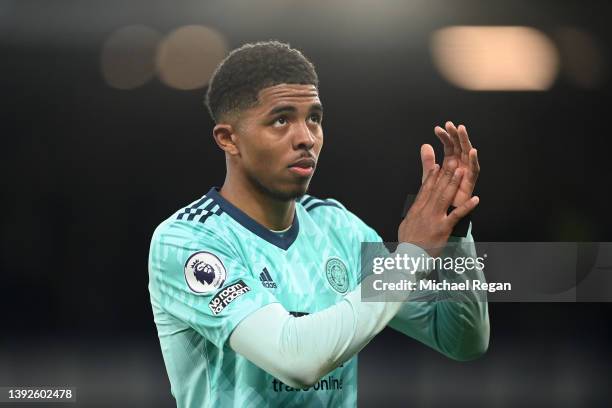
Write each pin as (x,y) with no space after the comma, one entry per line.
(304,163)
(303,167)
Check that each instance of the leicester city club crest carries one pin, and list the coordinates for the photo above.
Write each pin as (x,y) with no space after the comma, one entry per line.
(204,273)
(337,275)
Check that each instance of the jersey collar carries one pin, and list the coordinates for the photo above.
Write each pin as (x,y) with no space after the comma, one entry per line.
(256,228)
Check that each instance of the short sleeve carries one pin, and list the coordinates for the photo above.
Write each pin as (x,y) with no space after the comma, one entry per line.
(198,278)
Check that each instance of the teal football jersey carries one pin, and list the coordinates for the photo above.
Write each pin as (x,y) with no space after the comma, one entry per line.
(211,265)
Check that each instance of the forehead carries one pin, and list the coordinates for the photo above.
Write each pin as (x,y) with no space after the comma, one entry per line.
(291,94)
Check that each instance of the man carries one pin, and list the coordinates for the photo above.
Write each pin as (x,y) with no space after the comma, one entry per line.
(255,287)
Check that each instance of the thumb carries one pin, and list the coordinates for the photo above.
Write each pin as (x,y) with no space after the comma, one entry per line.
(428,159)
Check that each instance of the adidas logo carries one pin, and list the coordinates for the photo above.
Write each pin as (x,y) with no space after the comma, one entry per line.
(266,279)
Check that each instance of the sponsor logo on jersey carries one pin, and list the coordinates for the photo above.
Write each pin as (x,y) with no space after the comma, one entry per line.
(226,296)
(204,273)
(337,274)
(330,383)
(266,279)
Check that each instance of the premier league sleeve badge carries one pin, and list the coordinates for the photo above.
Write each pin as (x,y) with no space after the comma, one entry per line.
(204,273)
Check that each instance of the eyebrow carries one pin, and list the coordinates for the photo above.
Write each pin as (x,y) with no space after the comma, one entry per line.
(290,108)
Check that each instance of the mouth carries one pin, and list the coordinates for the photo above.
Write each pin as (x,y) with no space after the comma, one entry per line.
(303,167)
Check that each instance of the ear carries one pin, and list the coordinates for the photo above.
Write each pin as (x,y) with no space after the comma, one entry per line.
(225,137)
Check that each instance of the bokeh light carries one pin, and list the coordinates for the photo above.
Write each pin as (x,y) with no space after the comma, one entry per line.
(504,58)
(128,57)
(187,57)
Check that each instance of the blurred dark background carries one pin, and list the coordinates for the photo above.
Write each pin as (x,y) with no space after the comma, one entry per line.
(99,146)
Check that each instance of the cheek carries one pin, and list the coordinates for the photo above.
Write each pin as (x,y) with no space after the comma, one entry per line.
(263,156)
(265,160)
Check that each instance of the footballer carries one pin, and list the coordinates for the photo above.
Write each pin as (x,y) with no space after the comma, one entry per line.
(256,286)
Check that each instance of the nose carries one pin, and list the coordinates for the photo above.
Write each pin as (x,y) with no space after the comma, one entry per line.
(303,138)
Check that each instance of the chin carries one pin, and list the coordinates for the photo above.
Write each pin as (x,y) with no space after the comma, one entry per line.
(283,191)
(290,192)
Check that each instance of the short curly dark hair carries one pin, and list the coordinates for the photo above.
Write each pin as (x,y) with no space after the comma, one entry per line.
(247,70)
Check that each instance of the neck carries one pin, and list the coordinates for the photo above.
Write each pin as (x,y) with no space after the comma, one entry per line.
(272,213)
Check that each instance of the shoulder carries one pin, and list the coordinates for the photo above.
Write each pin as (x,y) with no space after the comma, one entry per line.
(192,235)
(197,221)
(324,211)
(327,210)
(332,214)
(310,203)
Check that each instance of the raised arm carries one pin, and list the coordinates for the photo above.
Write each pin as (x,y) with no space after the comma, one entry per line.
(455,323)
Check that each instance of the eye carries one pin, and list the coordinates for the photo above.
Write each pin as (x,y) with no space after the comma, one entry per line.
(315,117)
(280,121)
